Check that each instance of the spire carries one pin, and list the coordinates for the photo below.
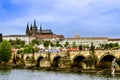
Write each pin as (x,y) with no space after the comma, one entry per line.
(31,27)
(27,25)
(40,27)
(27,29)
(35,23)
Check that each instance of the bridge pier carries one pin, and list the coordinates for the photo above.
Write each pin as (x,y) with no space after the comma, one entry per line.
(64,63)
(45,63)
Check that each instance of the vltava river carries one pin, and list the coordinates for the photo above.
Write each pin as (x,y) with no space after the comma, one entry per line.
(21,74)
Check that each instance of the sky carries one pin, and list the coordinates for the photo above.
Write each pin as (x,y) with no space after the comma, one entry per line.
(89,18)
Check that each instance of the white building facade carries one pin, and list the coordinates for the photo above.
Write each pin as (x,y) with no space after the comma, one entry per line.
(25,38)
(85,41)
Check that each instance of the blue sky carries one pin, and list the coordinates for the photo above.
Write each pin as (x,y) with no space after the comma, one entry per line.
(98,18)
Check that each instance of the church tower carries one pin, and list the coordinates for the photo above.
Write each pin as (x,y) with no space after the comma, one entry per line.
(34,23)
(34,28)
(27,30)
(30,29)
(41,29)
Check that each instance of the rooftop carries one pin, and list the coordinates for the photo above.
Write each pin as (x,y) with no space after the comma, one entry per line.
(90,38)
(15,36)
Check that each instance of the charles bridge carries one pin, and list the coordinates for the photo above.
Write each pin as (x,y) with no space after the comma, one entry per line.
(67,59)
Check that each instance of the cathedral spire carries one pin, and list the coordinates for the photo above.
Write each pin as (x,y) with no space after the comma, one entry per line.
(31,27)
(27,29)
(40,28)
(35,23)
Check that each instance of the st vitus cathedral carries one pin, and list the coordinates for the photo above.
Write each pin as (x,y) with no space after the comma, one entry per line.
(33,30)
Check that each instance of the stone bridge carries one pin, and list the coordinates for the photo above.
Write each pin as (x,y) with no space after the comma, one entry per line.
(81,59)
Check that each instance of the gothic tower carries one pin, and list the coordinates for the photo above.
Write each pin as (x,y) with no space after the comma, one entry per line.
(40,29)
(30,29)
(34,28)
(34,23)
(27,30)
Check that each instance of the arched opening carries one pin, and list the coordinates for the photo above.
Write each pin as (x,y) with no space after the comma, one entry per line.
(106,61)
(38,61)
(77,62)
(56,61)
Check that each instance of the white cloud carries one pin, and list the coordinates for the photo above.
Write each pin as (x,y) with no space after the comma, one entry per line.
(87,6)
(72,4)
(95,14)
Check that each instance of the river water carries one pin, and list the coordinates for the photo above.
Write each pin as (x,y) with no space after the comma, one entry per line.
(22,74)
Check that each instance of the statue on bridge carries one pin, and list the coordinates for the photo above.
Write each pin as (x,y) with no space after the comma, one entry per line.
(113,66)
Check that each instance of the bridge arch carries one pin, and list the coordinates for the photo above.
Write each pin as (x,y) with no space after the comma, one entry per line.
(105,61)
(55,61)
(77,61)
(38,61)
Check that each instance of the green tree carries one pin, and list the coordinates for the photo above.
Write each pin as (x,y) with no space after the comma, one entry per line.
(51,44)
(85,47)
(5,51)
(57,44)
(105,46)
(35,42)
(111,45)
(66,44)
(46,43)
(116,45)
(22,43)
(12,42)
(18,43)
(28,49)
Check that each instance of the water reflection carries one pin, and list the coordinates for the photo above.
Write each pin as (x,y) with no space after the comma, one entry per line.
(5,72)
(20,74)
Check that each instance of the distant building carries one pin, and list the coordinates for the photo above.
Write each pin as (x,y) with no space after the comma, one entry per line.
(86,41)
(53,37)
(42,34)
(114,40)
(25,38)
(33,30)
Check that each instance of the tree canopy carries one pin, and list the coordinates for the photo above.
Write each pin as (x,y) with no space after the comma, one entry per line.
(18,43)
(28,49)
(57,44)
(110,46)
(35,42)
(5,51)
(46,43)
(66,44)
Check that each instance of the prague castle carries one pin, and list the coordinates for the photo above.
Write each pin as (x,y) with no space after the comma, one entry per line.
(41,34)
(33,30)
